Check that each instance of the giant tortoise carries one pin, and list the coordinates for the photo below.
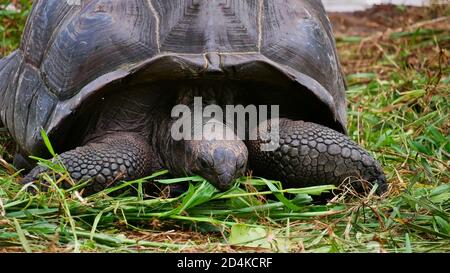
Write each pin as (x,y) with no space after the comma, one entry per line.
(102,77)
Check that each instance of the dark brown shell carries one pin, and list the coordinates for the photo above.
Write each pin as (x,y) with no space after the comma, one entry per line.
(70,52)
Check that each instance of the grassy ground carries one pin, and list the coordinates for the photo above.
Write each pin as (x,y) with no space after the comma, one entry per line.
(398,78)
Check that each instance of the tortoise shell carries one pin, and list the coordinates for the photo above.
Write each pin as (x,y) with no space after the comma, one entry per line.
(71,52)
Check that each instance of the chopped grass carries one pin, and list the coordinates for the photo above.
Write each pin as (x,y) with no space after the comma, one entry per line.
(398,109)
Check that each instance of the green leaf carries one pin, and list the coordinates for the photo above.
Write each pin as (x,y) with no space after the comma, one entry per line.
(22,238)
(281,197)
(442,189)
(350,39)
(358,76)
(31,213)
(186,201)
(426,204)
(202,194)
(428,230)
(437,135)
(444,227)
(440,194)
(420,148)
(94,225)
(180,180)
(42,227)
(409,96)
(49,164)
(244,235)
(259,236)
(47,142)
(408,248)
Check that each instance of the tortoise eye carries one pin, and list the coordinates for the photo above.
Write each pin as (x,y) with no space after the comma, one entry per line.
(241,164)
(204,163)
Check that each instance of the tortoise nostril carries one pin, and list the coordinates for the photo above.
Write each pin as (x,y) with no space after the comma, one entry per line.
(225,181)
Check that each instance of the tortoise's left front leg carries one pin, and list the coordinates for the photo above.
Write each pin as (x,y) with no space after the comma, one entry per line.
(116,157)
(310,154)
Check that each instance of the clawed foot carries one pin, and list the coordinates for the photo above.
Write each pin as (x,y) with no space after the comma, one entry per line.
(114,158)
(310,154)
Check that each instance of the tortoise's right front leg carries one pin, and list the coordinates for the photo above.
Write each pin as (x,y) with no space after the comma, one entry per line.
(116,157)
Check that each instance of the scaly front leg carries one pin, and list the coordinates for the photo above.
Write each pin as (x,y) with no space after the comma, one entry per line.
(310,154)
(115,157)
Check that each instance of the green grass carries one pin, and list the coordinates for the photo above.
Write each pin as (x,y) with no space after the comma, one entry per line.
(398,109)
(12,23)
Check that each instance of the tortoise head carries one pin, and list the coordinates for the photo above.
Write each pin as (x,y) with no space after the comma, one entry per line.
(217,159)
(220,162)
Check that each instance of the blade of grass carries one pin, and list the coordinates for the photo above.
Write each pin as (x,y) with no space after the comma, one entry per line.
(22,238)
(47,142)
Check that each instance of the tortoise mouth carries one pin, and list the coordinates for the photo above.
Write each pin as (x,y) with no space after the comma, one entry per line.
(259,82)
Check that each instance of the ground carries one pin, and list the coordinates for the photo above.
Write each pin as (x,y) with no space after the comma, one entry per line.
(396,60)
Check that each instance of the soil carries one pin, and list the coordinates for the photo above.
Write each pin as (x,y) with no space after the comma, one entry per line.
(380,18)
